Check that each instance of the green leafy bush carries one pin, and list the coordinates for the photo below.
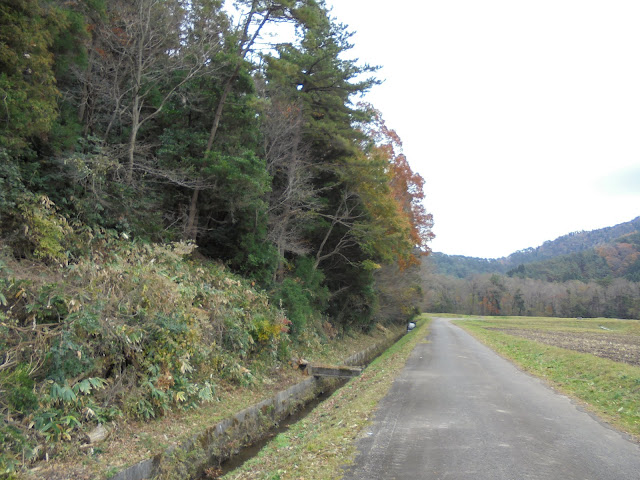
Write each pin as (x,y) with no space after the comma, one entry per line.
(34,225)
(19,388)
(303,295)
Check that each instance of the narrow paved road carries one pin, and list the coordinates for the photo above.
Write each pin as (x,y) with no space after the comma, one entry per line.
(459,411)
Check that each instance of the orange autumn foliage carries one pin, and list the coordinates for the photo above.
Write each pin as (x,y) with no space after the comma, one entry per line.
(407,188)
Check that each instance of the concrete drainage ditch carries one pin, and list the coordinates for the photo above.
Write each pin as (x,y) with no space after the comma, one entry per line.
(225,439)
(246,453)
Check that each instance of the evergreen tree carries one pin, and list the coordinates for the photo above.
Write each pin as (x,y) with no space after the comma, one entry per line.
(28,93)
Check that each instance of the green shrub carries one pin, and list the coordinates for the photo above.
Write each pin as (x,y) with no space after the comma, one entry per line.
(16,449)
(303,295)
(68,358)
(20,389)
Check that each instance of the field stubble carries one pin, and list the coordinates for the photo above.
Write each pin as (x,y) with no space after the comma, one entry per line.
(614,346)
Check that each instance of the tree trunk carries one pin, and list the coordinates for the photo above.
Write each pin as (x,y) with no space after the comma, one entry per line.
(135,125)
(191,230)
(218,115)
(86,90)
(278,273)
(137,103)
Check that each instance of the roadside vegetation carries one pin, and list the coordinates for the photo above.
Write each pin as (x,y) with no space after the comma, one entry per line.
(596,361)
(323,444)
(186,205)
(132,440)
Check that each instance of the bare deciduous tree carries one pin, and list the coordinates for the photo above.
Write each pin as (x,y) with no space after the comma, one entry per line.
(141,54)
(292,199)
(346,215)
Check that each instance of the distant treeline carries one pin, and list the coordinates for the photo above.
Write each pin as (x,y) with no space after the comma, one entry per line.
(494,294)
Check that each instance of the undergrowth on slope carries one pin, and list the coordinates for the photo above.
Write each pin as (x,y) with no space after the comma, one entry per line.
(97,328)
(131,330)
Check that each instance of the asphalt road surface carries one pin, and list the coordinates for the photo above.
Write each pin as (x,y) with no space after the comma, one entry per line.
(459,411)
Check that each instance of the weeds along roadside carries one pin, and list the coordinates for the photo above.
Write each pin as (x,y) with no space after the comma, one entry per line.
(609,389)
(322,444)
(133,441)
(132,331)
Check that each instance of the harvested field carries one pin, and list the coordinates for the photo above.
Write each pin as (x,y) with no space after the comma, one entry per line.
(617,347)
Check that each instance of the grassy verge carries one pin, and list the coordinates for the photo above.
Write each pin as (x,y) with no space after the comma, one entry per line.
(319,446)
(609,389)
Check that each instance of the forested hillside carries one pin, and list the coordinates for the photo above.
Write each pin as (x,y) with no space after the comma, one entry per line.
(574,242)
(575,256)
(180,196)
(617,259)
(460,266)
(601,277)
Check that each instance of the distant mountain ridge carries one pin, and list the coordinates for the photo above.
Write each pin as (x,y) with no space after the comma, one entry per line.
(578,255)
(574,242)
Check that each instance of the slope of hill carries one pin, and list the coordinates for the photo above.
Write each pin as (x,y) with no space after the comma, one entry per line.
(597,254)
(574,242)
(617,259)
(461,266)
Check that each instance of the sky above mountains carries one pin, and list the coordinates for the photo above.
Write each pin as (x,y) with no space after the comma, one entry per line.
(521,116)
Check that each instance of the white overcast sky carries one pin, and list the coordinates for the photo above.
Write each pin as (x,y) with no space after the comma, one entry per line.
(523,117)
